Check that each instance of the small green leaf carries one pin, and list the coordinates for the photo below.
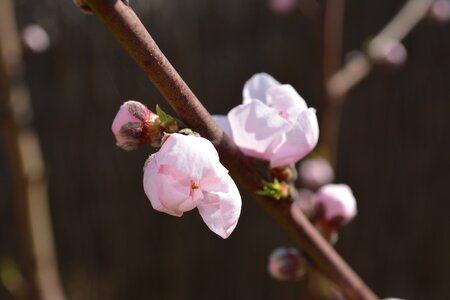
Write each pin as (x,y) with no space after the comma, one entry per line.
(163,117)
(270,189)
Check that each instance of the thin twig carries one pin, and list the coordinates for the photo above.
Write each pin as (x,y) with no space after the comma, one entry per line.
(132,35)
(340,80)
(27,168)
(359,66)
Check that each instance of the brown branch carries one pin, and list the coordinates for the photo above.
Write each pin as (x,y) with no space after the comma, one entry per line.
(38,258)
(132,35)
(360,65)
(338,81)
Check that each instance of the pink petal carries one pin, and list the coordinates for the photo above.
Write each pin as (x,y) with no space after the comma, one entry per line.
(298,141)
(257,86)
(256,128)
(285,99)
(221,207)
(223,123)
(337,201)
(193,157)
(167,193)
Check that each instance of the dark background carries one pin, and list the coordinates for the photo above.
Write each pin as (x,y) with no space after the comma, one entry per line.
(393,151)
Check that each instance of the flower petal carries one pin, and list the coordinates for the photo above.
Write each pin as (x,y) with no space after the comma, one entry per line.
(256,128)
(162,190)
(192,156)
(299,140)
(221,206)
(257,86)
(285,99)
(223,123)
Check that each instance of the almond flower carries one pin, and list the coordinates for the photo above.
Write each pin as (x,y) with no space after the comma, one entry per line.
(135,125)
(335,204)
(186,173)
(273,123)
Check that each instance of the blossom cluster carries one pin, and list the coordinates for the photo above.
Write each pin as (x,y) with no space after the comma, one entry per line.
(273,124)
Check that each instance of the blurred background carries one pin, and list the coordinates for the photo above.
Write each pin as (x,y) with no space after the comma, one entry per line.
(394,147)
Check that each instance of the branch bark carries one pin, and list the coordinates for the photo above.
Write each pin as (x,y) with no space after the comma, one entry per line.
(126,27)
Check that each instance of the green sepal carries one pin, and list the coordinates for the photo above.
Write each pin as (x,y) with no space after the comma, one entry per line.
(163,117)
(270,189)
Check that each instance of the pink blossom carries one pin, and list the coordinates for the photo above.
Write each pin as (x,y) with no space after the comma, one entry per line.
(335,204)
(315,172)
(186,173)
(282,6)
(273,123)
(134,125)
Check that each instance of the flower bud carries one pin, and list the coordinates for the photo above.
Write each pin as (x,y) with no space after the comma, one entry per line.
(286,264)
(315,172)
(440,11)
(35,39)
(335,205)
(135,125)
(387,52)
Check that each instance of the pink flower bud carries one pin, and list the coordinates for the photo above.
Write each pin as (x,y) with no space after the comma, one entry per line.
(135,125)
(286,264)
(388,52)
(35,38)
(440,11)
(186,173)
(315,172)
(335,205)
(282,6)
(273,123)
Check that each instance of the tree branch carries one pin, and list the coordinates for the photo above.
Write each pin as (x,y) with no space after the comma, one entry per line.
(132,35)
(360,65)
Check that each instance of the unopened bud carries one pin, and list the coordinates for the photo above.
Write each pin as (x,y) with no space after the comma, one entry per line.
(287,264)
(387,52)
(315,172)
(35,39)
(335,205)
(135,125)
(282,7)
(440,11)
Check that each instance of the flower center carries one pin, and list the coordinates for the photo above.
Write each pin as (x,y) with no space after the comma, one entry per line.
(283,114)
(194,185)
